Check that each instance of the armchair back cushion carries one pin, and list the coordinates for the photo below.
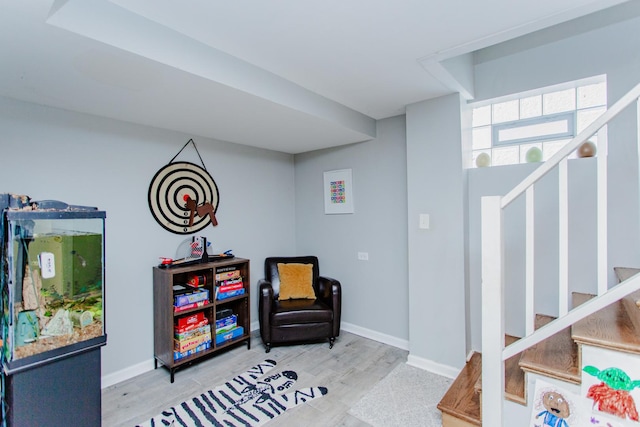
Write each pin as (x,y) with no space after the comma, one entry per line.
(272,274)
(296,281)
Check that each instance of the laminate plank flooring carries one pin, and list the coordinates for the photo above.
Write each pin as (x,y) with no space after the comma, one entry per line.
(349,370)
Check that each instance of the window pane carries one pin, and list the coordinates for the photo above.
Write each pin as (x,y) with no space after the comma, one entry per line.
(505,156)
(481,138)
(552,147)
(531,107)
(481,116)
(534,130)
(586,117)
(592,95)
(524,148)
(505,111)
(557,102)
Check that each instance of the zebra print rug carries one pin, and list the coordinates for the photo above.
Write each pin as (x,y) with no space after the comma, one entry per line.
(250,399)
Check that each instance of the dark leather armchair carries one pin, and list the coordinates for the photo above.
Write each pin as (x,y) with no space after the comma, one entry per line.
(298,320)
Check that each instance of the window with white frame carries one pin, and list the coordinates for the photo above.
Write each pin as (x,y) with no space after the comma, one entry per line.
(533,127)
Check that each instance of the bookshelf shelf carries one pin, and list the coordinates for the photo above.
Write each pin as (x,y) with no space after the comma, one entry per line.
(197,325)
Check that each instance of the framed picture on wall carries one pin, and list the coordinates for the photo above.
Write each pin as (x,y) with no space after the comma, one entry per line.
(338,192)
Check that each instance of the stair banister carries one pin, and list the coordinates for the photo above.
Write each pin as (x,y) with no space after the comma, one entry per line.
(602,211)
(576,314)
(493,262)
(492,246)
(583,136)
(529,262)
(563,237)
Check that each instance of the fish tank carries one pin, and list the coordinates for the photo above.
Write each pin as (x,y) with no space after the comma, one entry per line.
(52,284)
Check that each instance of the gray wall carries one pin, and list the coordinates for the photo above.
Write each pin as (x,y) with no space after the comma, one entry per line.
(436,186)
(504,70)
(375,293)
(54,154)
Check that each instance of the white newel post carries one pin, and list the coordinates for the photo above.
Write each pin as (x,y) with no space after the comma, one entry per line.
(492,311)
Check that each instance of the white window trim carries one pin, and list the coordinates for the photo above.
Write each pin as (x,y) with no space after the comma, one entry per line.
(569,116)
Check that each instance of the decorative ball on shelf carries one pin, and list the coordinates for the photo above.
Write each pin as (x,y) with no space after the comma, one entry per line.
(534,155)
(587,149)
(483,160)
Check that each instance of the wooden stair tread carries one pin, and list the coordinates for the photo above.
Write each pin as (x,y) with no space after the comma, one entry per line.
(556,357)
(461,400)
(616,326)
(514,379)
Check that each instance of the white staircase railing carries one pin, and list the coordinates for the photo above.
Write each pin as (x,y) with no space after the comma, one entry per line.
(494,352)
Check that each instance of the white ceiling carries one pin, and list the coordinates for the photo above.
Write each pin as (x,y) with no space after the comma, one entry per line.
(286,75)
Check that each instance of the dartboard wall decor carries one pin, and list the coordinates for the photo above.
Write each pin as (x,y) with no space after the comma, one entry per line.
(183,198)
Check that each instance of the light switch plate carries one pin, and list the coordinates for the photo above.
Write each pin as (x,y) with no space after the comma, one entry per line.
(424,221)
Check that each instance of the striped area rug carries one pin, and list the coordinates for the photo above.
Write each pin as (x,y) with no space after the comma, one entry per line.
(250,399)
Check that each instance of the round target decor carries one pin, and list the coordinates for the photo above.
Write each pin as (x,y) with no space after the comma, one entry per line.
(183,198)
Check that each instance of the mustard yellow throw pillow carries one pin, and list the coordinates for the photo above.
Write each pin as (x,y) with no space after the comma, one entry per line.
(296,281)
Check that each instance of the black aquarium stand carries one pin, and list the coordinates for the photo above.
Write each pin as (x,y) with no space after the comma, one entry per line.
(60,393)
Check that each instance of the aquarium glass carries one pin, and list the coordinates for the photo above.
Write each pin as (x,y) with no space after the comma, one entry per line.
(55,284)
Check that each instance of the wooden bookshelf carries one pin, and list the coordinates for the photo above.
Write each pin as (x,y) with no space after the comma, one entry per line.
(166,286)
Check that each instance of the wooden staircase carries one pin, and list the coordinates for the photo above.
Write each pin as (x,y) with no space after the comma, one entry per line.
(615,327)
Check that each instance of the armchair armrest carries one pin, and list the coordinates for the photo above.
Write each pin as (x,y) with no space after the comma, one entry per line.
(330,292)
(265,300)
(327,287)
(266,290)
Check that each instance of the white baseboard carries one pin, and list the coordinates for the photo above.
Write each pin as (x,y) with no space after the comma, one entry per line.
(376,336)
(431,366)
(125,374)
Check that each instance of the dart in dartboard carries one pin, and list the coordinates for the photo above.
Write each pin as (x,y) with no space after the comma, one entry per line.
(205,209)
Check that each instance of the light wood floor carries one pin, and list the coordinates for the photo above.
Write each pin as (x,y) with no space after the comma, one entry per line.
(349,370)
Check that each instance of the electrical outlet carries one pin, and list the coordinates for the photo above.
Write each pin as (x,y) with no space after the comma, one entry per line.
(363,256)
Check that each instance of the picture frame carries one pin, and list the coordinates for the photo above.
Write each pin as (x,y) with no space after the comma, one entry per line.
(338,192)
